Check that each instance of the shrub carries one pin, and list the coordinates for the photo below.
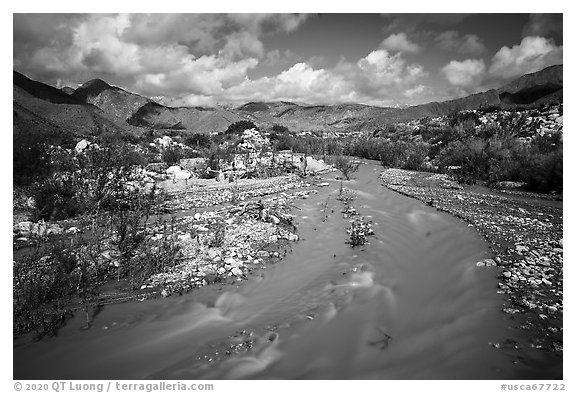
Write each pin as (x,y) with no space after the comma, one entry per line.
(239,127)
(345,165)
(88,182)
(415,155)
(280,128)
(171,155)
(30,154)
(197,141)
(358,231)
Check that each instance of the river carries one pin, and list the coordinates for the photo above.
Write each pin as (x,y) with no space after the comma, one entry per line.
(411,304)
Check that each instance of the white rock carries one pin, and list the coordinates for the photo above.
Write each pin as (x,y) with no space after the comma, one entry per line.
(183,175)
(213,254)
(23,228)
(185,238)
(236,271)
(173,170)
(80,146)
(275,219)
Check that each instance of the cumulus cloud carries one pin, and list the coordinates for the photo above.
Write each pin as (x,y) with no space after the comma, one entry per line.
(157,54)
(533,54)
(400,42)
(452,41)
(204,59)
(379,78)
(467,73)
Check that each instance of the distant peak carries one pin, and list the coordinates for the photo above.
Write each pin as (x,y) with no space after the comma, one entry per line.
(95,83)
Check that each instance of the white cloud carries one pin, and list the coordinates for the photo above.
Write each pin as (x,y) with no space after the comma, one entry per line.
(452,41)
(242,43)
(378,79)
(195,59)
(533,54)
(467,73)
(400,42)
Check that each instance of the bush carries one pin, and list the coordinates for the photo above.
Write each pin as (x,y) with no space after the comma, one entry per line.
(89,182)
(30,154)
(358,231)
(197,141)
(240,126)
(345,165)
(415,155)
(171,155)
(280,128)
(43,286)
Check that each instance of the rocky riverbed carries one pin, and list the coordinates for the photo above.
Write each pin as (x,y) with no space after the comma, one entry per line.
(228,243)
(526,234)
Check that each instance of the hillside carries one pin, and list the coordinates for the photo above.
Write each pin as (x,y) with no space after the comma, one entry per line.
(195,119)
(114,101)
(97,107)
(529,90)
(45,108)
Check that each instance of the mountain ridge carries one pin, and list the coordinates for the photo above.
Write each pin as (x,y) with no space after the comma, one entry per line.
(132,111)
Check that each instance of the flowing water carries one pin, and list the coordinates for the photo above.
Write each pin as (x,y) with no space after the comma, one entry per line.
(411,304)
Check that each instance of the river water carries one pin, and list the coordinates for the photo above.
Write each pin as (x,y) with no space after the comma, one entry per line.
(411,304)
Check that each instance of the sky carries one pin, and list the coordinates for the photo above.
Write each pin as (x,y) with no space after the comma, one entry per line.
(231,59)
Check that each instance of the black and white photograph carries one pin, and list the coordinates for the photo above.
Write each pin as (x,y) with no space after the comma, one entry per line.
(200,197)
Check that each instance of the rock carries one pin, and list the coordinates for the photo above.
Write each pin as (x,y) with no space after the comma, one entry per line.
(72,230)
(80,146)
(23,228)
(182,175)
(507,274)
(237,272)
(197,216)
(30,203)
(292,237)
(185,238)
(486,262)
(173,170)
(263,254)
(561,243)
(164,293)
(274,219)
(213,254)
(552,309)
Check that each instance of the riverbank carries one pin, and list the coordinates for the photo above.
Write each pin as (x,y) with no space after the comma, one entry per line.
(526,233)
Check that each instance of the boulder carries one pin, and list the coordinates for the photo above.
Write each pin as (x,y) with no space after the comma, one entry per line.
(182,175)
(486,262)
(81,146)
(28,228)
(173,170)
(23,228)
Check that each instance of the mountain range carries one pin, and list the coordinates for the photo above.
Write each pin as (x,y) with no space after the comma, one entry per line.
(96,107)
